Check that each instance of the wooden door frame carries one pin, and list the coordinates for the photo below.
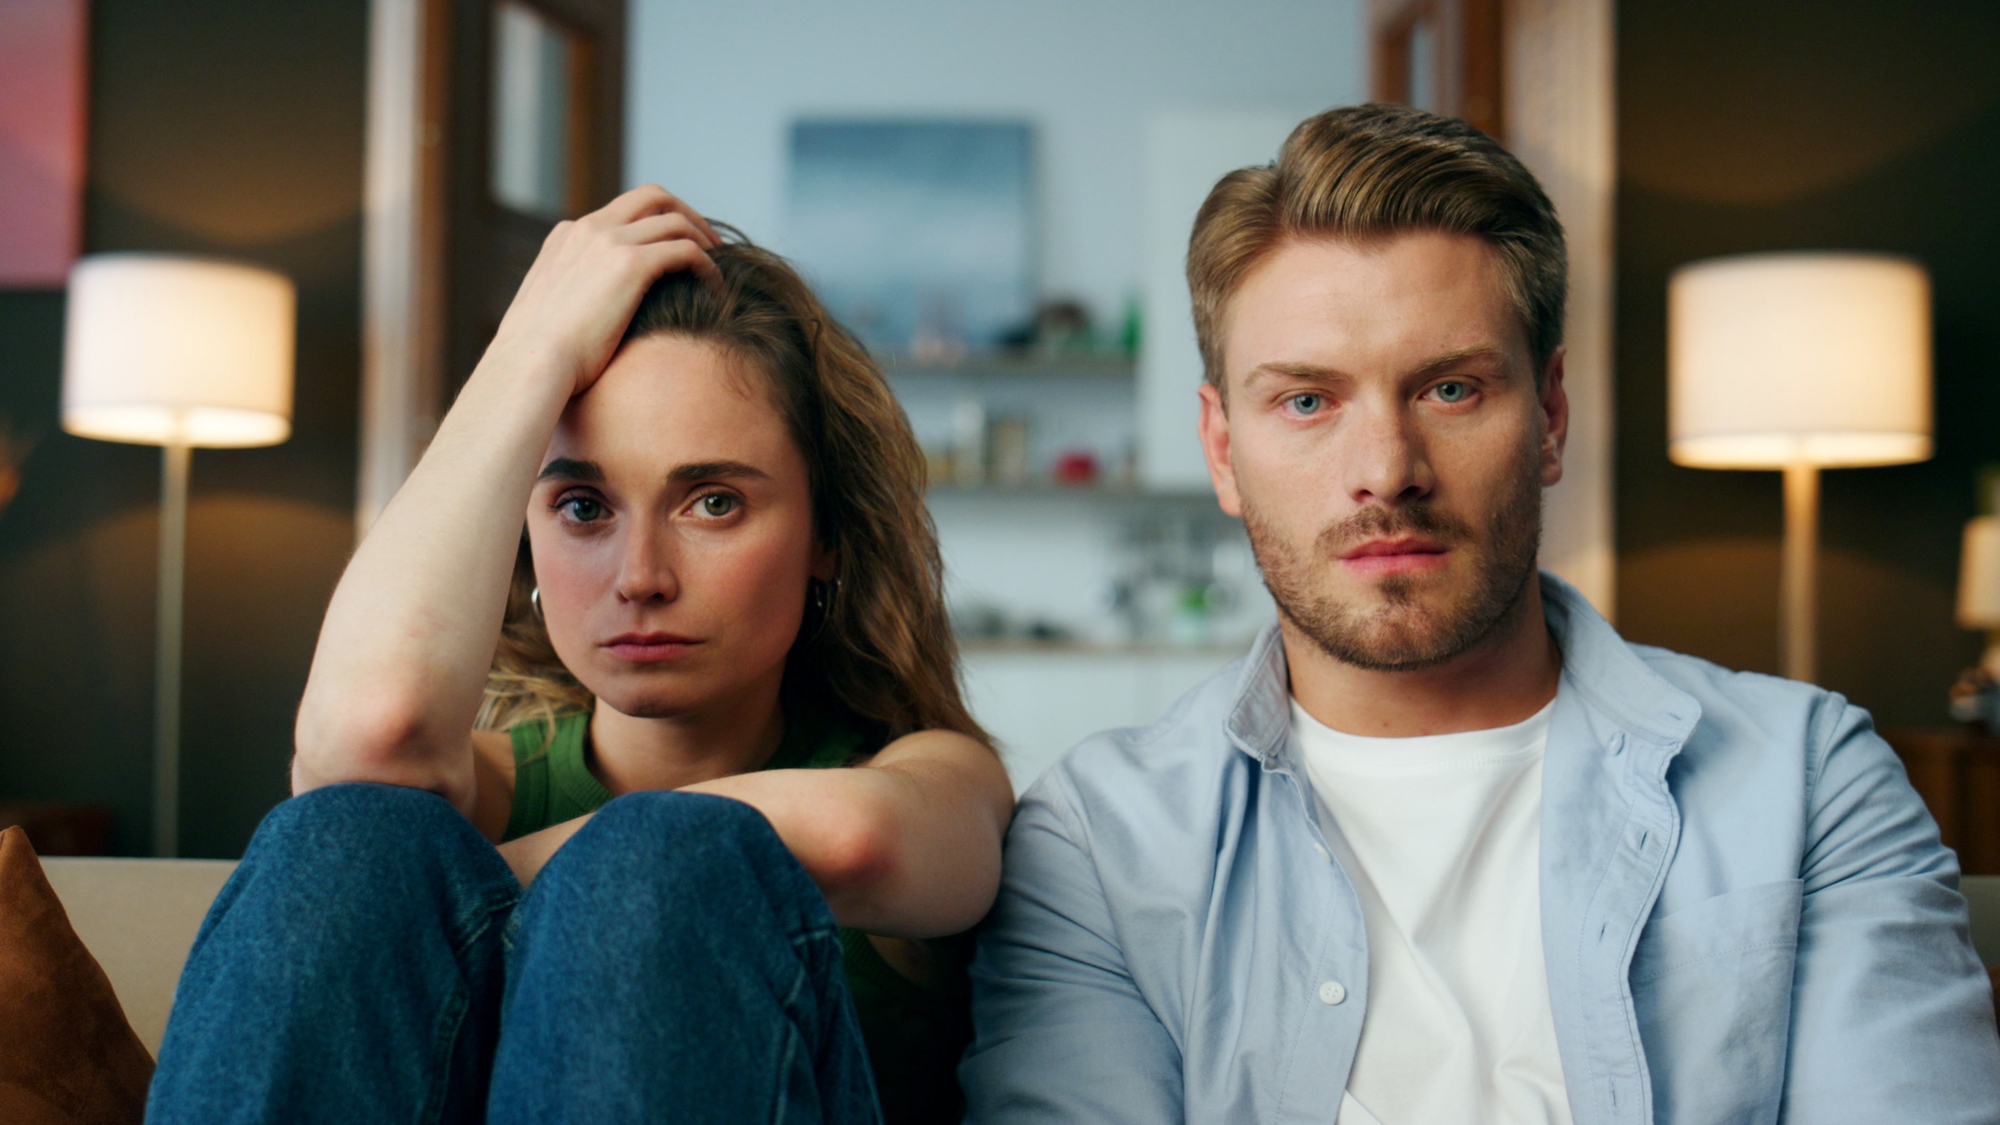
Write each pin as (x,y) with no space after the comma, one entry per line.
(1562,122)
(412,189)
(1471,56)
(403,246)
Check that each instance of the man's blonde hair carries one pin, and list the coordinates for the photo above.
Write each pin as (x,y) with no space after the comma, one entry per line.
(1368,172)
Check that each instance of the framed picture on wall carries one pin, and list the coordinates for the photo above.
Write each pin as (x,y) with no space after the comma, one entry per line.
(916,233)
(42,91)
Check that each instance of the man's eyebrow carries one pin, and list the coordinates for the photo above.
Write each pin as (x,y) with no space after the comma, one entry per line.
(569,468)
(1452,359)
(1294,370)
(714,470)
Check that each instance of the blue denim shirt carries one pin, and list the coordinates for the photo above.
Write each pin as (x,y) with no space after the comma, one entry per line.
(1746,914)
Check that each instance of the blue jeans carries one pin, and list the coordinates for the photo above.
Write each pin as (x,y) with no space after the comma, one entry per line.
(374,960)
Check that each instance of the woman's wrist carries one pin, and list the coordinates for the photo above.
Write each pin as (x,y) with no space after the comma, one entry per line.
(519,366)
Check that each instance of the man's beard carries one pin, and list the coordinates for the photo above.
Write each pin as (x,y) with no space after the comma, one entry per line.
(1408,632)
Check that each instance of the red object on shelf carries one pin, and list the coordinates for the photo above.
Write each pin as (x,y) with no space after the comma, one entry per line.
(1076,468)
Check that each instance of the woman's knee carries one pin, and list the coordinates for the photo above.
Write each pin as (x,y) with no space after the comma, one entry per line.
(691,853)
(362,835)
(693,819)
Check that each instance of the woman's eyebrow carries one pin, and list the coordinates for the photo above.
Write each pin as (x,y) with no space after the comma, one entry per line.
(568,468)
(713,470)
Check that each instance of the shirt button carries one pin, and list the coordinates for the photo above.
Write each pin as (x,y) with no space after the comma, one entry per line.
(1320,850)
(1332,993)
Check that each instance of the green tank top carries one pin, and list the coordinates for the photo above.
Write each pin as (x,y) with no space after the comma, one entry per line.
(914,1033)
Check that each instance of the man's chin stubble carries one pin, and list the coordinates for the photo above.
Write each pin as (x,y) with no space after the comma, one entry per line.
(1403,634)
(1406,631)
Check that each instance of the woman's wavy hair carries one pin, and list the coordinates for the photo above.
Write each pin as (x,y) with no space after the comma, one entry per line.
(881,647)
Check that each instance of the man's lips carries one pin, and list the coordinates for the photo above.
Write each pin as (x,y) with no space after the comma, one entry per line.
(650,648)
(1403,554)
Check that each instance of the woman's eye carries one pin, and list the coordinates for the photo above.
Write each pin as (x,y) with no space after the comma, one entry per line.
(582,509)
(1453,391)
(716,504)
(1307,403)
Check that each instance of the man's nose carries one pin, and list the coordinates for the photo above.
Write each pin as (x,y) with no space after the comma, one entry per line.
(646,571)
(1386,459)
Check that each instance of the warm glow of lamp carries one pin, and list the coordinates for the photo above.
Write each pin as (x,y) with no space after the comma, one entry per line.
(176,352)
(1979,586)
(1799,362)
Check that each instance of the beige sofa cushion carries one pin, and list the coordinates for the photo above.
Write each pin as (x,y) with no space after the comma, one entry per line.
(138,917)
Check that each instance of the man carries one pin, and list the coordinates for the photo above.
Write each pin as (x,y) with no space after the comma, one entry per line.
(1443,848)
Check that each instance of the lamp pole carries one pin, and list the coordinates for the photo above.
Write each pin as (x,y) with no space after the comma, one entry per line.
(1799,579)
(174,458)
(176,352)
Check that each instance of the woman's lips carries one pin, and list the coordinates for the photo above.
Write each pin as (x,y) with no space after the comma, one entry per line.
(650,648)
(1403,555)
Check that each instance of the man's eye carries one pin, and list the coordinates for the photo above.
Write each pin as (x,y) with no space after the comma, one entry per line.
(716,504)
(1307,403)
(582,509)
(1453,391)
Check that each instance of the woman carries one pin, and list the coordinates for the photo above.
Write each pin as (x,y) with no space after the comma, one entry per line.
(733,726)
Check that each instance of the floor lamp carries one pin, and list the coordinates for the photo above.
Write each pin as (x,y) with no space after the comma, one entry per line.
(176,352)
(1799,362)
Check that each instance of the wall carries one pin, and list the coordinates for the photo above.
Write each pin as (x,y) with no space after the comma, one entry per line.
(713,91)
(712,124)
(225,127)
(714,88)
(1836,125)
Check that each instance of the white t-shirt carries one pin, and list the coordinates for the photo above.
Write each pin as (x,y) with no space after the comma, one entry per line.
(1441,836)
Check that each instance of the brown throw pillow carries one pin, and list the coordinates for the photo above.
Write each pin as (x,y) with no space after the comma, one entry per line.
(67,1056)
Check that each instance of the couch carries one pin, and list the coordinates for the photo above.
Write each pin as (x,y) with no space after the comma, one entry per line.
(139,918)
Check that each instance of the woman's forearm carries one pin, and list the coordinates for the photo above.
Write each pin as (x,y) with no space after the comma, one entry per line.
(907,846)
(402,658)
(409,636)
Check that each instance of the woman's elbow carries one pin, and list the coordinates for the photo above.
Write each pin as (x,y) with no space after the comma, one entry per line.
(380,735)
(910,887)
(859,854)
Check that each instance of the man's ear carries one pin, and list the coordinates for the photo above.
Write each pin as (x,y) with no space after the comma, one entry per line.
(1214,428)
(1555,418)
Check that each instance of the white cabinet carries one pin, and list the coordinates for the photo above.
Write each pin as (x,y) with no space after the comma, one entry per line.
(1038,702)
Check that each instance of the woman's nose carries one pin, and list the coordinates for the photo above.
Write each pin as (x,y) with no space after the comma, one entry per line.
(645,568)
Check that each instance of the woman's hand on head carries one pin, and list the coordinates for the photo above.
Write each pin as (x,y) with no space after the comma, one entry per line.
(578,298)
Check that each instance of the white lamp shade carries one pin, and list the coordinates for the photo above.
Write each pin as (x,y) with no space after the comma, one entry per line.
(1979,574)
(170,350)
(1799,359)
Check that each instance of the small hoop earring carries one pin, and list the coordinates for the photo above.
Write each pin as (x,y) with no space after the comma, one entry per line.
(821,595)
(535,600)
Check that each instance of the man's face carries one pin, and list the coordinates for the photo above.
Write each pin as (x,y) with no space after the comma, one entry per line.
(1385,443)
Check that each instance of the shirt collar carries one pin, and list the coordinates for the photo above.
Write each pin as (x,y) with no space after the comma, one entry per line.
(1597,664)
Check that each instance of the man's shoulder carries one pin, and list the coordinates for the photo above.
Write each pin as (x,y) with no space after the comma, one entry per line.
(1751,725)
(1732,698)
(1706,680)
(1651,687)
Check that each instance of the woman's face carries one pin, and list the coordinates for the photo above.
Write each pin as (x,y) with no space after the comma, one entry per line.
(672,531)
